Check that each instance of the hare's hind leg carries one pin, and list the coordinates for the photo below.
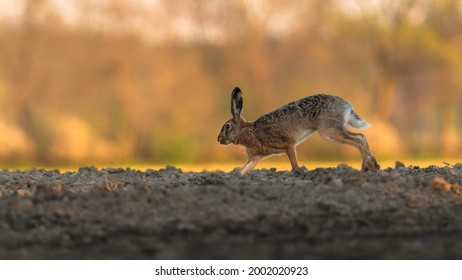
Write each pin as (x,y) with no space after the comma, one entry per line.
(357,140)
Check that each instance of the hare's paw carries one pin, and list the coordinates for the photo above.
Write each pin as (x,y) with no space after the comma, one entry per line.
(370,164)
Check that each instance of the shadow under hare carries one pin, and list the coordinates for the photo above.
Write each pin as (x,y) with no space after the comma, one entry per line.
(281,130)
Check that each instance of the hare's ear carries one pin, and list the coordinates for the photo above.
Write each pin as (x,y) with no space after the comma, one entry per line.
(236,102)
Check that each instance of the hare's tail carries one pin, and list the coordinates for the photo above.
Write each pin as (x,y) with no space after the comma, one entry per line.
(355,121)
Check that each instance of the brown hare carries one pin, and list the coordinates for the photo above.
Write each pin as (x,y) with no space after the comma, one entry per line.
(281,130)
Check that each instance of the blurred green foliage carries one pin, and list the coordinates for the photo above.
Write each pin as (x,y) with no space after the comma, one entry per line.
(125,82)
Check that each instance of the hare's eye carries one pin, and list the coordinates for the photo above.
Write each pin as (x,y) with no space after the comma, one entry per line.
(227,126)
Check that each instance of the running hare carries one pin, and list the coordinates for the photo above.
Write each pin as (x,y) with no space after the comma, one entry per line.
(281,130)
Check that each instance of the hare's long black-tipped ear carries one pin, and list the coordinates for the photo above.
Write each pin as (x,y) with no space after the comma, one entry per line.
(236,102)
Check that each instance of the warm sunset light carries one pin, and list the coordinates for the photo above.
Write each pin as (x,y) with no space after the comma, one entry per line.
(231,130)
(149,81)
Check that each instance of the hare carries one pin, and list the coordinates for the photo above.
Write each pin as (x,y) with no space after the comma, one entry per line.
(281,130)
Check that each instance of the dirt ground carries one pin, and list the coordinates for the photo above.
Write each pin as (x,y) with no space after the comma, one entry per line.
(326,213)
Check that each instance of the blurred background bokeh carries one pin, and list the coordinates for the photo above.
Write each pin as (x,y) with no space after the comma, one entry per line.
(102,81)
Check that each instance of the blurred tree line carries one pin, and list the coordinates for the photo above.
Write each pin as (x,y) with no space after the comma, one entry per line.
(123,81)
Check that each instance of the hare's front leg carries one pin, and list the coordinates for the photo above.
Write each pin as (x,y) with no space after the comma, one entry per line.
(292,154)
(253,160)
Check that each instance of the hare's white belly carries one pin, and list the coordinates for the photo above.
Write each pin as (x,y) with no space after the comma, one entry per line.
(301,135)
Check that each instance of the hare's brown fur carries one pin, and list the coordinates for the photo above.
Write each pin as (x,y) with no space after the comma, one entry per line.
(281,130)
